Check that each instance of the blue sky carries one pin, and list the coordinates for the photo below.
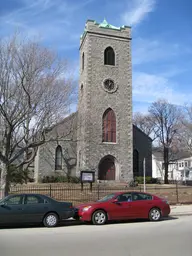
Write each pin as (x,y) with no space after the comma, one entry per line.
(161,32)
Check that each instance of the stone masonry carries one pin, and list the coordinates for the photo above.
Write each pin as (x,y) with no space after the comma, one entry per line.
(94,100)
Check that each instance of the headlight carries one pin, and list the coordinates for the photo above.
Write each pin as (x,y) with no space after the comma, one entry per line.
(86,208)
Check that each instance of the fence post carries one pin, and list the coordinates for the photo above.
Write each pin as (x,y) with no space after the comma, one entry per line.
(98,192)
(177,192)
(50,190)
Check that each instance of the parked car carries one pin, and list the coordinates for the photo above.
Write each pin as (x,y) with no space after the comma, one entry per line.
(34,208)
(123,206)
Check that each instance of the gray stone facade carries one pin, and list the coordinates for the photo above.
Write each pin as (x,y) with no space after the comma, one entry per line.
(80,135)
(65,135)
(94,100)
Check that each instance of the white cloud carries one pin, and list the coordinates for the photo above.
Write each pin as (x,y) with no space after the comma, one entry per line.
(137,11)
(149,88)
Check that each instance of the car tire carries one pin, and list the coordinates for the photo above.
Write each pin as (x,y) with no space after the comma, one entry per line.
(51,220)
(99,217)
(155,214)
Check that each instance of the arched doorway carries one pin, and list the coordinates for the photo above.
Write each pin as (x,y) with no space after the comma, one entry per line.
(107,168)
(135,163)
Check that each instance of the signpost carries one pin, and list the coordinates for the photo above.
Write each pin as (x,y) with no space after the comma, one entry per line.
(144,173)
(87,177)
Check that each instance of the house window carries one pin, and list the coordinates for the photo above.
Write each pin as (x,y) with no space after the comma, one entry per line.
(58,158)
(109,56)
(83,61)
(182,164)
(179,164)
(186,164)
(109,126)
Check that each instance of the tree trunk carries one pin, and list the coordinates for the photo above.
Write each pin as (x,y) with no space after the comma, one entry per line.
(5,184)
(166,164)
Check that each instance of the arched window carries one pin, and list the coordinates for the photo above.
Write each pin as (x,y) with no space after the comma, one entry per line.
(83,61)
(58,158)
(109,126)
(109,56)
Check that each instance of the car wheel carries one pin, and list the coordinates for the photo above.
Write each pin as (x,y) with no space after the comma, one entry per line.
(50,220)
(155,214)
(99,217)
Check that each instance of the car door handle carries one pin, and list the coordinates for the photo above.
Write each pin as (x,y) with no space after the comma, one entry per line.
(20,209)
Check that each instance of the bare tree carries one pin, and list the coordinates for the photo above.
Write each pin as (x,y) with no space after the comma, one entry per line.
(145,123)
(167,119)
(186,130)
(35,93)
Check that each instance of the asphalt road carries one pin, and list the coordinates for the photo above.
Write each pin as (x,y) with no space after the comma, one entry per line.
(168,238)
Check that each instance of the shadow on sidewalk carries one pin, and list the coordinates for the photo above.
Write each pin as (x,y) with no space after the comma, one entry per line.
(69,223)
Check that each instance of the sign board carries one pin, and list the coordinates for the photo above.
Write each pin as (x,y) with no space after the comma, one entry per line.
(87,176)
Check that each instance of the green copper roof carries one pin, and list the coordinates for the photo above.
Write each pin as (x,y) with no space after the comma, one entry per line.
(105,24)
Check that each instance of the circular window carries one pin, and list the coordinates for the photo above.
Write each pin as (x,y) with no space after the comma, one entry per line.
(109,85)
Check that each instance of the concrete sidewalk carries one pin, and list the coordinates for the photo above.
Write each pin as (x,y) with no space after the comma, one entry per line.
(181,210)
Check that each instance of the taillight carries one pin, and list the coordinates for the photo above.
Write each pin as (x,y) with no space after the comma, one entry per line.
(165,201)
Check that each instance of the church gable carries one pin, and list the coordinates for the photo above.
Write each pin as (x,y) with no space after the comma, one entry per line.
(58,156)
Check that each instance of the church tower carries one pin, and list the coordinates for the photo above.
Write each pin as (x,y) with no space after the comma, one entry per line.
(104,130)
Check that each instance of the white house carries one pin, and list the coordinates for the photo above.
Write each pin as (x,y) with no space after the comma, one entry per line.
(180,168)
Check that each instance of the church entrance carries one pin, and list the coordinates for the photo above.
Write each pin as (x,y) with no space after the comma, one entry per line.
(107,168)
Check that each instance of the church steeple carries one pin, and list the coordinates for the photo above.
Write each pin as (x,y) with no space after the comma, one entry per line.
(104,135)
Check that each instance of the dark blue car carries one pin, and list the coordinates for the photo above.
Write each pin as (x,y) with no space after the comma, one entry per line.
(34,209)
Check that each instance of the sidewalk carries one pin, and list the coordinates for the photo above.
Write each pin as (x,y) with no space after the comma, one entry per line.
(181,210)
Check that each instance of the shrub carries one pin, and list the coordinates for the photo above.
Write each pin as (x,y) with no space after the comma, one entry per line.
(60,179)
(148,179)
(140,179)
(133,183)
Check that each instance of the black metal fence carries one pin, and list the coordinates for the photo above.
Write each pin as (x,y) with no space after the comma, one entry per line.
(173,193)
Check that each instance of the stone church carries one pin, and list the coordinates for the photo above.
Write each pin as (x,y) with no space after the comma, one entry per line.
(100,136)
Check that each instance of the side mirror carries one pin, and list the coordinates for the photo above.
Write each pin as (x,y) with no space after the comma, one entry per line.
(115,201)
(2,204)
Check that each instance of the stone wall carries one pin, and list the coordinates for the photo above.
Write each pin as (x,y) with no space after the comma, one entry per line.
(65,135)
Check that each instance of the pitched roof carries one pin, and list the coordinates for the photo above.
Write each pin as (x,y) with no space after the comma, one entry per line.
(158,153)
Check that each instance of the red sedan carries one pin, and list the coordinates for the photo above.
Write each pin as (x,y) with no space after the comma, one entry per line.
(123,206)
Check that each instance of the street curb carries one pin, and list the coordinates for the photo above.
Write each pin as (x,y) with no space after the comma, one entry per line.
(180,214)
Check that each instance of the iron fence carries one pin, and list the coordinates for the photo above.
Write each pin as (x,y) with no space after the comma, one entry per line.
(173,193)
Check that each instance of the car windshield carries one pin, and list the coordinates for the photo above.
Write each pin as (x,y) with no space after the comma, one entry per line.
(3,199)
(106,198)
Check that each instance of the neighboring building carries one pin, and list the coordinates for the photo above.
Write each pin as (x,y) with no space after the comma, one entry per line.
(100,136)
(185,168)
(180,167)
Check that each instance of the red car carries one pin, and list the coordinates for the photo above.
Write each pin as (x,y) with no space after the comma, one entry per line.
(123,206)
